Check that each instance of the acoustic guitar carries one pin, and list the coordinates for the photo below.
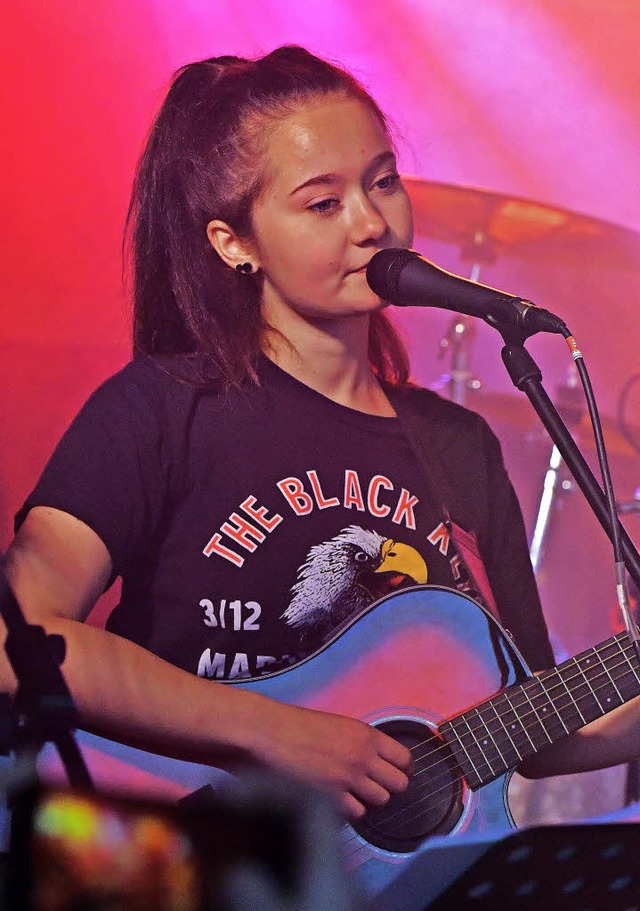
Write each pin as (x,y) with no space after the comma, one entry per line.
(433,669)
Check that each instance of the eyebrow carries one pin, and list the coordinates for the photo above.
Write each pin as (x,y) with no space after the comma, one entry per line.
(333,178)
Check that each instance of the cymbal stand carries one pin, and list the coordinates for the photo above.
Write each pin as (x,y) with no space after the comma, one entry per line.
(459,338)
(526,376)
(556,480)
(545,506)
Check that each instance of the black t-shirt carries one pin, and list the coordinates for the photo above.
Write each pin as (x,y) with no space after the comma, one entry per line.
(248,525)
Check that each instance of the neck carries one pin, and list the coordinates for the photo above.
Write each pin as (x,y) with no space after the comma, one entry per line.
(331,357)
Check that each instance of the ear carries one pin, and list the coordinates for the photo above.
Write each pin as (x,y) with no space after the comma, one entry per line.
(231,248)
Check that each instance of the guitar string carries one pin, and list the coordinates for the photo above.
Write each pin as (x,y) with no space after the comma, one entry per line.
(546,692)
(602,671)
(449,755)
(433,792)
(444,747)
(352,839)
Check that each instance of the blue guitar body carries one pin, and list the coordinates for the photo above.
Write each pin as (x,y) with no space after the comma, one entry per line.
(411,660)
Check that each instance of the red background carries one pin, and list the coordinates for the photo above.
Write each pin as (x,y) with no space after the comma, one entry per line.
(531,99)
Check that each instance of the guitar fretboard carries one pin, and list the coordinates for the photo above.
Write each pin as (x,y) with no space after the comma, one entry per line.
(494,737)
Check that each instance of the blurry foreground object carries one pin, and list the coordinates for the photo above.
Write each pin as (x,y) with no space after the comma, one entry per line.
(261,844)
(318,878)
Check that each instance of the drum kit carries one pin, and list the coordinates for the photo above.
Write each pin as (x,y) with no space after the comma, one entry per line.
(586,270)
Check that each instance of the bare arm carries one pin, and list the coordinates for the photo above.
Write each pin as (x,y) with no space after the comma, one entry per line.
(58,567)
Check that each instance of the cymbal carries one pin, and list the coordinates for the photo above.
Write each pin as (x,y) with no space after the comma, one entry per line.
(578,266)
(485,223)
(516,413)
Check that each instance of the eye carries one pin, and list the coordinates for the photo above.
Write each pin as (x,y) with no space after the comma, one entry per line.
(361,557)
(387,182)
(324,206)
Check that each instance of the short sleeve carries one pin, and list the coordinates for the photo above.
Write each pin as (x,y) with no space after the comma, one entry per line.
(110,469)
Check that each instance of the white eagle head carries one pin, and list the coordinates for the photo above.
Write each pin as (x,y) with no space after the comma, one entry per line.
(336,579)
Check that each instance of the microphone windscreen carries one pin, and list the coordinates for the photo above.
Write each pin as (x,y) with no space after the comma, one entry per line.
(406,279)
(384,269)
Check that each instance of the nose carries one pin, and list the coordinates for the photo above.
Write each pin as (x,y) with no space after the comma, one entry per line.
(368,224)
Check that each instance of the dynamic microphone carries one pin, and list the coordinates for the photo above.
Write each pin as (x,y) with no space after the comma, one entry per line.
(406,279)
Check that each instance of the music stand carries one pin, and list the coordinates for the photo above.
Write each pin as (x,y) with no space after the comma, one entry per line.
(581,867)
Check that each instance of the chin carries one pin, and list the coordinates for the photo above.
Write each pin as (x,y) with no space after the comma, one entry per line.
(364,302)
(373,304)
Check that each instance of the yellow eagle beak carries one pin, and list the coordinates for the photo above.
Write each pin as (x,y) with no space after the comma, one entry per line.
(401,558)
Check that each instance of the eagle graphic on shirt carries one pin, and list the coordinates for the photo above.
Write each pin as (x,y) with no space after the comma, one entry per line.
(342,576)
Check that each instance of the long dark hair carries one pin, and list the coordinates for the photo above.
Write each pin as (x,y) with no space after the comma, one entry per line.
(200,163)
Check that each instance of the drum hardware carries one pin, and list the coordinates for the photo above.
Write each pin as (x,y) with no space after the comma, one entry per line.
(486,226)
(551,240)
(460,336)
(631,506)
(570,404)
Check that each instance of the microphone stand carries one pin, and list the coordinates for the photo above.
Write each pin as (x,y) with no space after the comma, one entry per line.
(43,707)
(527,376)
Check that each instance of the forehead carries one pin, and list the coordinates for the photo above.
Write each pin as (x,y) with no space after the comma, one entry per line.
(333,135)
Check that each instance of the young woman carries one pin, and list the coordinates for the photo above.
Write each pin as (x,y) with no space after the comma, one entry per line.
(247,475)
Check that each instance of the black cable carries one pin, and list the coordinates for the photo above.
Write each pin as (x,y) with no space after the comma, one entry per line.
(620,571)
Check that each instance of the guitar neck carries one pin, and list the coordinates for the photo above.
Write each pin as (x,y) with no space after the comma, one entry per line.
(497,735)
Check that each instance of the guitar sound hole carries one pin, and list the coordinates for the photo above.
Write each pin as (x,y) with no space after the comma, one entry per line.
(431,805)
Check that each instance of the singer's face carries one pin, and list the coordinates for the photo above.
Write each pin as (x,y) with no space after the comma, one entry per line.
(333,198)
